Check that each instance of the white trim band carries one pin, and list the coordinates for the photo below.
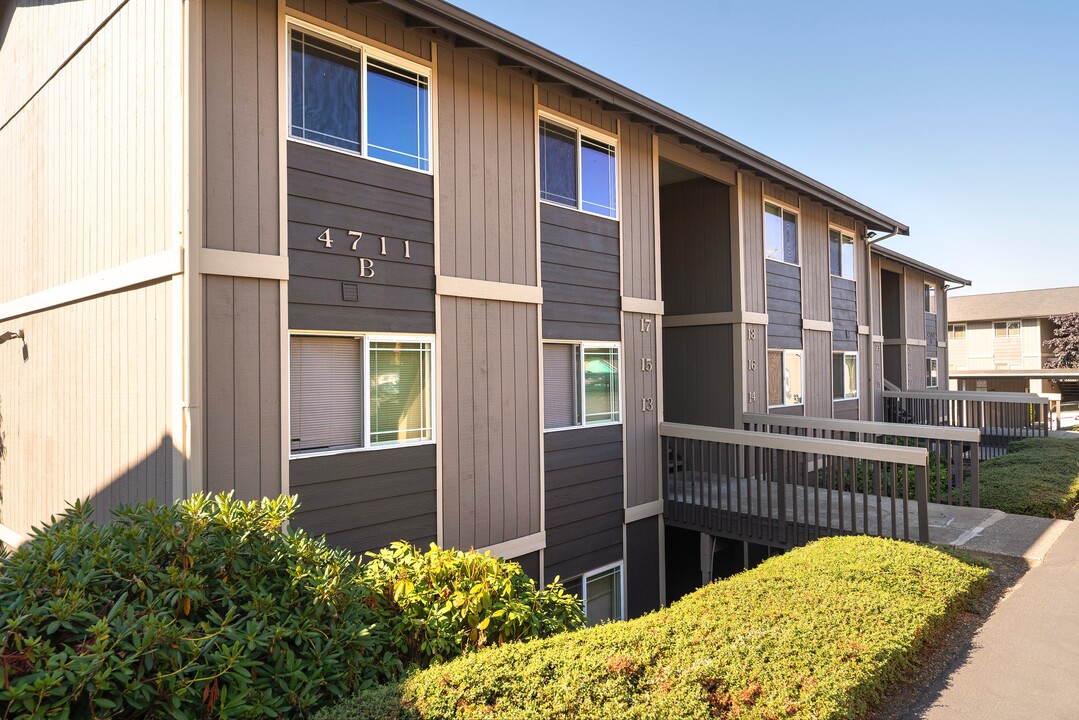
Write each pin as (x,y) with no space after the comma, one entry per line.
(643,512)
(242,264)
(518,546)
(641,305)
(819,325)
(487,290)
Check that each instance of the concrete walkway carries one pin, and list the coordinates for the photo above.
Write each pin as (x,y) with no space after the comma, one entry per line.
(1024,661)
(994,532)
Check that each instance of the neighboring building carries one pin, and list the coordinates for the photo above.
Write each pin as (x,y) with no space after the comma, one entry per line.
(998,342)
(437,281)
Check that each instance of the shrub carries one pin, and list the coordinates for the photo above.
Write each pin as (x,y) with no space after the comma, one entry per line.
(1038,476)
(820,632)
(201,608)
(433,606)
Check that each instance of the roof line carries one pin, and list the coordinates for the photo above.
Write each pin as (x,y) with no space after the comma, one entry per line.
(925,267)
(618,98)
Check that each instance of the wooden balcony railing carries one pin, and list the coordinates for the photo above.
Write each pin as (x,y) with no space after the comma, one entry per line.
(784,490)
(1002,417)
(954,453)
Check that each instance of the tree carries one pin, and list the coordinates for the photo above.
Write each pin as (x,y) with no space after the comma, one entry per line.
(1065,343)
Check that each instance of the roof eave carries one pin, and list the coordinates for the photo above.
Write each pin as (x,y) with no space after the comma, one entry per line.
(924,267)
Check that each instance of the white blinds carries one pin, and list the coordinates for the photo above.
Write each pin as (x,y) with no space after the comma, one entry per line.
(559,385)
(326,374)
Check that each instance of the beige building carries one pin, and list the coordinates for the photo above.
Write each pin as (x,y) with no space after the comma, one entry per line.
(997,342)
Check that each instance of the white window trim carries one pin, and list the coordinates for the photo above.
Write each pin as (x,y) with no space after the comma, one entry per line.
(767,200)
(1007,334)
(857,372)
(582,346)
(580,128)
(366,50)
(957,326)
(782,392)
(936,364)
(933,311)
(583,577)
(843,233)
(367,339)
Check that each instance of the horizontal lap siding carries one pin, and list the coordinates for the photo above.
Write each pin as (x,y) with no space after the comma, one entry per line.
(490,421)
(784,283)
(642,566)
(583,499)
(931,333)
(696,231)
(698,375)
(844,314)
(366,500)
(580,267)
(331,190)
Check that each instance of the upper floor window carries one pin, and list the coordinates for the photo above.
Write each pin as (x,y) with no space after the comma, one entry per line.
(931,379)
(785,381)
(957,332)
(577,169)
(1007,329)
(841,254)
(348,97)
(350,392)
(780,234)
(844,375)
(930,298)
(580,385)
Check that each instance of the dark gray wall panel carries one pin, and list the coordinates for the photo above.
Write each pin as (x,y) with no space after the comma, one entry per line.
(341,192)
(931,333)
(583,499)
(695,232)
(698,375)
(642,566)
(784,288)
(366,500)
(580,266)
(530,563)
(844,314)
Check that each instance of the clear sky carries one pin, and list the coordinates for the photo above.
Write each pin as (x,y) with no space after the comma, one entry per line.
(959,118)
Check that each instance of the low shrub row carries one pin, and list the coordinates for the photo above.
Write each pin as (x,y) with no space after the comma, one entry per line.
(1038,476)
(206,608)
(820,632)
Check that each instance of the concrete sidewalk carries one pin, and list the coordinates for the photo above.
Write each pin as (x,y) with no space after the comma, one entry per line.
(994,532)
(1024,661)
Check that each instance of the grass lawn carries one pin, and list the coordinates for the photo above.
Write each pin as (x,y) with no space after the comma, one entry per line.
(1038,476)
(820,632)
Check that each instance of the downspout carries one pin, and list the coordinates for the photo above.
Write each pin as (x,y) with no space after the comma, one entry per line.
(869,295)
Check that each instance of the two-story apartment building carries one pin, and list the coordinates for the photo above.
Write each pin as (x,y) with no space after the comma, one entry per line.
(437,281)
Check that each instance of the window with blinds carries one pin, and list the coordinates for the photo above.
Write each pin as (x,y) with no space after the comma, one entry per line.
(580,385)
(560,372)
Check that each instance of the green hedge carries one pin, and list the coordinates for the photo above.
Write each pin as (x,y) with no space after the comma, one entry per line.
(1038,476)
(820,632)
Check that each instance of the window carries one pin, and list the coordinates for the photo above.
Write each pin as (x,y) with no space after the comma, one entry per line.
(350,98)
(1007,329)
(784,377)
(350,393)
(931,298)
(931,372)
(957,332)
(570,159)
(600,592)
(580,385)
(780,234)
(841,254)
(844,375)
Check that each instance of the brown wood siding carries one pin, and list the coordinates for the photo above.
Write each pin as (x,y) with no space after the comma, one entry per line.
(490,422)
(784,305)
(698,375)
(781,194)
(816,270)
(868,385)
(638,212)
(914,297)
(331,190)
(818,373)
(242,386)
(643,580)
(861,285)
(756,359)
(642,426)
(377,22)
(844,314)
(580,275)
(366,500)
(846,409)
(586,111)
(486,169)
(583,499)
(696,230)
(88,415)
(753,242)
(916,367)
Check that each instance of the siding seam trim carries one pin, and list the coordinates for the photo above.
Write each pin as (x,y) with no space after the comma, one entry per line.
(487,290)
(234,263)
(643,512)
(517,546)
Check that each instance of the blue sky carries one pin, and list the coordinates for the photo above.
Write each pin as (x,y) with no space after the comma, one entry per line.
(958,118)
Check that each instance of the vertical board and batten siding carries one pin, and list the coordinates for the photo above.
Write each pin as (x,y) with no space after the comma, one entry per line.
(585,111)
(580,266)
(753,242)
(583,499)
(818,373)
(339,192)
(696,231)
(490,424)
(241,316)
(698,374)
(372,21)
(866,381)
(756,360)
(914,297)
(784,284)
(89,183)
(643,580)
(816,269)
(642,426)
(638,212)
(486,170)
(366,500)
